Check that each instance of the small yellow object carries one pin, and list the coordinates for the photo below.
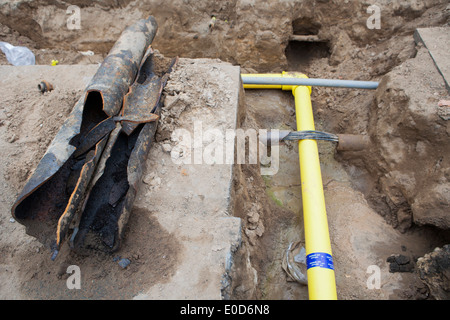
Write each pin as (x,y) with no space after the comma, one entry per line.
(55,62)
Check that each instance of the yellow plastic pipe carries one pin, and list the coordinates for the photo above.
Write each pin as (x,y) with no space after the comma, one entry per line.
(270,75)
(262,86)
(321,277)
(320,268)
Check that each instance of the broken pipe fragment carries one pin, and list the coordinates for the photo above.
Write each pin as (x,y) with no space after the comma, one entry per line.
(45,86)
(104,128)
(111,196)
(45,205)
(353,142)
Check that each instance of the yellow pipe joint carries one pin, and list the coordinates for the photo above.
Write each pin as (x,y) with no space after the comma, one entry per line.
(284,74)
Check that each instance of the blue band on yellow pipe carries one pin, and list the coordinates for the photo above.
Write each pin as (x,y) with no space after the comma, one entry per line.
(319,259)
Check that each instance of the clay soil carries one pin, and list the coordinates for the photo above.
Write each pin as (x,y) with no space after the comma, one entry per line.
(364,229)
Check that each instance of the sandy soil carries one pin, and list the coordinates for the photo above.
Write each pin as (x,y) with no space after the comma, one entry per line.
(364,226)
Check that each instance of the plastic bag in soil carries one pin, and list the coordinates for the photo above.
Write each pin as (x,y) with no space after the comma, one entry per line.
(17,56)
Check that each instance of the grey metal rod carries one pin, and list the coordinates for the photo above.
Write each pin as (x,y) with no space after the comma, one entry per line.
(372,85)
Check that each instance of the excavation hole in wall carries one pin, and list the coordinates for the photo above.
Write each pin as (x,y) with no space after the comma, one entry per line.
(300,54)
(305,26)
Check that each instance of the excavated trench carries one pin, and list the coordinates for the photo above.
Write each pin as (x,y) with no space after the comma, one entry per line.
(357,194)
(349,182)
(283,215)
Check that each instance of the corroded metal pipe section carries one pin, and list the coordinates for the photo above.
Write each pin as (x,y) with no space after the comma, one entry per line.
(353,142)
(54,194)
(145,92)
(119,69)
(45,86)
(113,190)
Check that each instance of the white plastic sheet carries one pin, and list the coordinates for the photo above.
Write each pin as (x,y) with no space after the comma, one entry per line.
(17,56)
(294,263)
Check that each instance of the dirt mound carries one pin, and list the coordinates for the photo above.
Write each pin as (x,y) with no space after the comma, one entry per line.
(405,124)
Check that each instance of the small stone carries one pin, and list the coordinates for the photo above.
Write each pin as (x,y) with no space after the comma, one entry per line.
(170,101)
(124,263)
(253,217)
(11,139)
(260,229)
(12,220)
(149,178)
(166,147)
(252,236)
(217,248)
(155,182)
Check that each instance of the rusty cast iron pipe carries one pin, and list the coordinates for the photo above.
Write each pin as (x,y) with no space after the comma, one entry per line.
(352,142)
